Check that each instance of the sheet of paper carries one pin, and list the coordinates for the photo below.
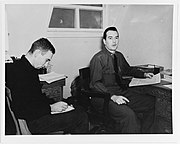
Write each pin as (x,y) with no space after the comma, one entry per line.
(51,77)
(68,109)
(145,81)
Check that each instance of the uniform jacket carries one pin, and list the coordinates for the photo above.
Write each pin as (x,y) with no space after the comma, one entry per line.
(103,73)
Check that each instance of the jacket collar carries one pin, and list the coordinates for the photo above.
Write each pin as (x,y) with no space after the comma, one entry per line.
(107,52)
(27,64)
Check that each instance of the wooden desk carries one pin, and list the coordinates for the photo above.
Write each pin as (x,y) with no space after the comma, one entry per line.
(54,90)
(163,106)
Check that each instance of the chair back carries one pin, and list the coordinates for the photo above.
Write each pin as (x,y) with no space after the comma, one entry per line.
(86,92)
(9,100)
(84,74)
(21,125)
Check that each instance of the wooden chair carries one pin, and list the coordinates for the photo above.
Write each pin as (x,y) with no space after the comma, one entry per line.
(87,94)
(20,124)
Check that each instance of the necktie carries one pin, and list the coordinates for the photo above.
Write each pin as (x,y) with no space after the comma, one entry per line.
(118,80)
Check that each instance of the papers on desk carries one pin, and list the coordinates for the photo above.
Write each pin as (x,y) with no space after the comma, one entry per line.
(169,86)
(51,77)
(168,78)
(69,108)
(167,82)
(145,81)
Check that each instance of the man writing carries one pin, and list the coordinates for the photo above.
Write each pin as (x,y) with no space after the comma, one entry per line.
(31,104)
(107,68)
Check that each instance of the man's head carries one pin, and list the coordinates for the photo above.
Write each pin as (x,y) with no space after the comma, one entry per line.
(40,53)
(111,39)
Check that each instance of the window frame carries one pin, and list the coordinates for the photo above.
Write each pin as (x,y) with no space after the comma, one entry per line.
(77,31)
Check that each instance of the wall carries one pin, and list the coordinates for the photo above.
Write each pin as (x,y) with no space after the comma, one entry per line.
(72,54)
(145,32)
(26,23)
(145,36)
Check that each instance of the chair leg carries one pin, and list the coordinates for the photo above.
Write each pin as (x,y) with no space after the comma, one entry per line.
(89,126)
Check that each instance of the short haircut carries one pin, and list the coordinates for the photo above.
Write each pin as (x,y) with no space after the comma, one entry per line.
(42,44)
(109,29)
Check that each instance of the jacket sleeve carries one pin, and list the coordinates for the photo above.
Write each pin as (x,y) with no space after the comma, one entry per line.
(127,70)
(96,76)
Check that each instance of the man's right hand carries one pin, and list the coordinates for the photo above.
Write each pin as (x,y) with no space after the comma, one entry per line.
(59,106)
(119,99)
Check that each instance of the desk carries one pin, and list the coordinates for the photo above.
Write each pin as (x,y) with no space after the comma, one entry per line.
(54,90)
(163,106)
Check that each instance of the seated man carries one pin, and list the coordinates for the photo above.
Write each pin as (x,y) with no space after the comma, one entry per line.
(31,104)
(107,68)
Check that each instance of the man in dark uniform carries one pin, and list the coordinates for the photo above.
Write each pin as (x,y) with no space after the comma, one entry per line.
(107,68)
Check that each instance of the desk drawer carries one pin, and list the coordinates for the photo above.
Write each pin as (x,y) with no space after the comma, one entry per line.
(164,108)
(163,126)
(54,92)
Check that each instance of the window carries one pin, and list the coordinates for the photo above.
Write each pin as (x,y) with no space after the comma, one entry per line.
(79,18)
(90,19)
(62,18)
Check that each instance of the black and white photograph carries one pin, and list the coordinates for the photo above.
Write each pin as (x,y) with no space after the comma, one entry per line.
(89,72)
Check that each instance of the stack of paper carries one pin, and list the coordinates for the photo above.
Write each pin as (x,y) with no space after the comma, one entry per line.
(167,75)
(51,77)
(146,81)
(169,86)
(167,72)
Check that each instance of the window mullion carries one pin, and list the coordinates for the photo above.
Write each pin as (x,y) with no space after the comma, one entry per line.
(77,18)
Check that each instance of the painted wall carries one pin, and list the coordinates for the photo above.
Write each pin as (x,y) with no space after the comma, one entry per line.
(145,36)
(72,54)
(145,32)
(26,23)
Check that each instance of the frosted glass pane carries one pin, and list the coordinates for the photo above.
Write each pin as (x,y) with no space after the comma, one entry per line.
(62,18)
(91,19)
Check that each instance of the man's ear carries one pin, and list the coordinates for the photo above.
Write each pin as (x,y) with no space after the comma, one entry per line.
(104,41)
(36,52)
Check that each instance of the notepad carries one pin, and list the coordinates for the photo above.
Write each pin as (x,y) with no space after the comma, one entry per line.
(145,81)
(69,108)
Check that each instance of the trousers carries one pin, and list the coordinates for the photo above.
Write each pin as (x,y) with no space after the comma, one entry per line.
(72,122)
(125,115)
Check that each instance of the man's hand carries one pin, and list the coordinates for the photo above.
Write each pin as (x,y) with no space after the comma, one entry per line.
(148,75)
(59,106)
(119,99)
